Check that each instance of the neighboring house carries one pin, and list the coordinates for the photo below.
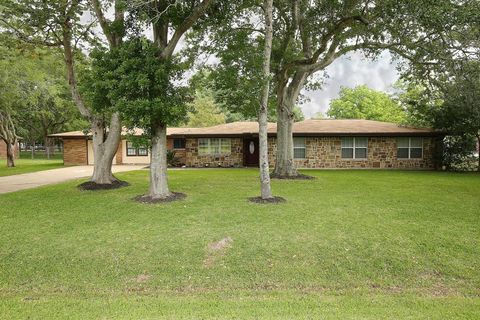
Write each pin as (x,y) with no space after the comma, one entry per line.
(3,150)
(317,144)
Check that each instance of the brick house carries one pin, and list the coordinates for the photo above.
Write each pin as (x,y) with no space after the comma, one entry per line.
(317,144)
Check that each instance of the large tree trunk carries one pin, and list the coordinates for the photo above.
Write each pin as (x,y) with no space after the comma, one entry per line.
(284,165)
(286,98)
(104,149)
(266,191)
(158,164)
(10,153)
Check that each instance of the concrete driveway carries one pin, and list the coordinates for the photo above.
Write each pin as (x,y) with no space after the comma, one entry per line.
(42,178)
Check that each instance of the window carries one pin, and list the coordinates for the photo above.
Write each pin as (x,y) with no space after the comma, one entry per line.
(178,143)
(354,147)
(225,146)
(131,150)
(142,151)
(214,146)
(299,151)
(410,148)
(134,151)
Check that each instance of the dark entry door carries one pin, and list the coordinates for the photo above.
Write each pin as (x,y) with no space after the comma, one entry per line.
(250,151)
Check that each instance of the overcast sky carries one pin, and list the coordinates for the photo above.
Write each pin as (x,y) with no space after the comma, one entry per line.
(351,71)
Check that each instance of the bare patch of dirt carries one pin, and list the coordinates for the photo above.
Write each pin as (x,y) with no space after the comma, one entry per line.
(216,250)
(297,177)
(273,200)
(440,290)
(93,186)
(437,288)
(143,278)
(174,196)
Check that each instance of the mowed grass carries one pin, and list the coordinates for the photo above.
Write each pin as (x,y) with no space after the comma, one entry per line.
(29,165)
(347,245)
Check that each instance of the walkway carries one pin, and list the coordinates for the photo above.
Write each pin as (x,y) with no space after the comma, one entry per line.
(42,178)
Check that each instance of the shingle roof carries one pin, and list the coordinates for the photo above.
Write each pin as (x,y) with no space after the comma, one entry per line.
(324,127)
(355,126)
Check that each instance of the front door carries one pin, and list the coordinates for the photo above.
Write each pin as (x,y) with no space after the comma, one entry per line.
(250,151)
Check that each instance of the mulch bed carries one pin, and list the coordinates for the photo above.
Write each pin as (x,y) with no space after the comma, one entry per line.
(273,200)
(174,196)
(93,186)
(297,177)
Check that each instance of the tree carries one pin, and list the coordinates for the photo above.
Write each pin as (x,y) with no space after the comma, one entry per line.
(205,111)
(169,23)
(418,102)
(58,24)
(459,114)
(309,36)
(142,87)
(266,191)
(446,94)
(8,134)
(49,107)
(34,79)
(14,86)
(362,102)
(318,115)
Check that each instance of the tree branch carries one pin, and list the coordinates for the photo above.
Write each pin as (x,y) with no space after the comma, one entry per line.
(187,24)
(104,23)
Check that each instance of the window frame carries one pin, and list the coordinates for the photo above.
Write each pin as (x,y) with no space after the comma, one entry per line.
(409,148)
(210,146)
(304,148)
(136,149)
(184,143)
(354,148)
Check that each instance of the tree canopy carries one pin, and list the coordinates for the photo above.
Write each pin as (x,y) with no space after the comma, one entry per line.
(131,79)
(34,93)
(362,102)
(205,112)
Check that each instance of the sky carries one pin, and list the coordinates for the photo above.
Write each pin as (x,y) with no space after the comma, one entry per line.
(351,71)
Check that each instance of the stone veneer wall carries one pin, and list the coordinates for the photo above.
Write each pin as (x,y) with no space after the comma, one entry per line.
(234,159)
(75,151)
(325,152)
(180,154)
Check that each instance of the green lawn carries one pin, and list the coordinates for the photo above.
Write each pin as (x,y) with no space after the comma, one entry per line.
(347,245)
(28,165)
(40,155)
